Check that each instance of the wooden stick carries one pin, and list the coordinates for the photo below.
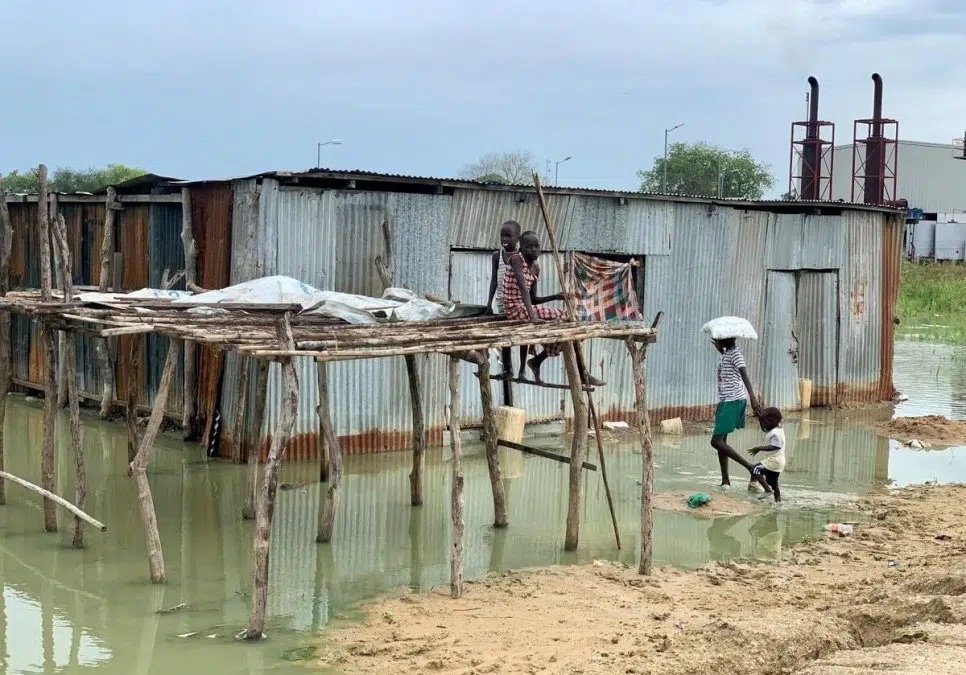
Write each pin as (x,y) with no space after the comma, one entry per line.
(322,409)
(238,430)
(69,373)
(419,432)
(43,230)
(138,468)
(46,494)
(534,383)
(47,467)
(603,469)
(101,348)
(261,393)
(330,505)
(6,247)
(135,356)
(540,452)
(638,356)
(456,506)
(189,423)
(490,437)
(266,500)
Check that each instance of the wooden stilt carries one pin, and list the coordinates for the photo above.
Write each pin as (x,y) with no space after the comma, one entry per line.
(540,452)
(456,506)
(321,410)
(69,374)
(59,282)
(638,356)
(419,432)
(47,467)
(578,447)
(101,348)
(330,505)
(241,400)
(138,468)
(490,440)
(261,392)
(6,246)
(189,421)
(135,345)
(603,468)
(57,499)
(266,499)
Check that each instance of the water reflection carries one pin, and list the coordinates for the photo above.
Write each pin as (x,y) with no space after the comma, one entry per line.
(93,609)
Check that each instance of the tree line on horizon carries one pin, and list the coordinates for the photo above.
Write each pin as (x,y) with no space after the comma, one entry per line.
(69,181)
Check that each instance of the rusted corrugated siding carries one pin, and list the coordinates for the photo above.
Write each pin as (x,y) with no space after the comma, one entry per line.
(211,217)
(165,254)
(132,243)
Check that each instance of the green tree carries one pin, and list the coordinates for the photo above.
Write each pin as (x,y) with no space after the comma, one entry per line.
(69,181)
(708,171)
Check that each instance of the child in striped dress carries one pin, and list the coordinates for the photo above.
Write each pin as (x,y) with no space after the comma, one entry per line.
(509,244)
(521,302)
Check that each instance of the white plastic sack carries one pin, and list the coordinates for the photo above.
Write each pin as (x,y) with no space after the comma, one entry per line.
(143,294)
(277,290)
(730,327)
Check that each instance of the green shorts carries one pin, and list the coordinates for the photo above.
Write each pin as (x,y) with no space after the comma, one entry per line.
(729,416)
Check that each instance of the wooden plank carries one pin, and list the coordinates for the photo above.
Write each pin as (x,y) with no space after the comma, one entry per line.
(542,453)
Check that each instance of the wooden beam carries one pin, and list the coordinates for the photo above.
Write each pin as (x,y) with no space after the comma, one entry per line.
(540,452)
(456,498)
(490,438)
(57,499)
(643,426)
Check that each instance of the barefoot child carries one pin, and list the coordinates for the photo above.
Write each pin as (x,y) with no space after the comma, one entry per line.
(734,393)
(520,301)
(509,244)
(772,462)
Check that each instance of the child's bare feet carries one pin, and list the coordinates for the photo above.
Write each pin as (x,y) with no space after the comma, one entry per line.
(534,365)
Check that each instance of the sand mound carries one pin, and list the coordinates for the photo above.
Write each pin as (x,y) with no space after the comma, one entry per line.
(720,504)
(930,428)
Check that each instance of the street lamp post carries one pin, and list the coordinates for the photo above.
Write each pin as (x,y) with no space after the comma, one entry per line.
(556,169)
(318,156)
(666,132)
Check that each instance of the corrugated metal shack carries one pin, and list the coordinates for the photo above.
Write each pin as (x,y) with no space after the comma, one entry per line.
(818,280)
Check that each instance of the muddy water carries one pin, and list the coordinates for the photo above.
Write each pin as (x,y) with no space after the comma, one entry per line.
(71,611)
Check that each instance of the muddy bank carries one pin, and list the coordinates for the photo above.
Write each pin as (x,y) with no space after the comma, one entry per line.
(928,429)
(890,599)
(720,505)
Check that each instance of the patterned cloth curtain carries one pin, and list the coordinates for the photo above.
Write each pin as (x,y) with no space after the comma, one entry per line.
(605,289)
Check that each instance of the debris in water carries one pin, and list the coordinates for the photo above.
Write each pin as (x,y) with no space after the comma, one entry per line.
(176,608)
(842,529)
(616,425)
(188,635)
(698,499)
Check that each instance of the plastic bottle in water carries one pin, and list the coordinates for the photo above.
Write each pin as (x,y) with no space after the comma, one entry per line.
(842,529)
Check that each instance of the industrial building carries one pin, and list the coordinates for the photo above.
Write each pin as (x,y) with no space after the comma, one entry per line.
(818,279)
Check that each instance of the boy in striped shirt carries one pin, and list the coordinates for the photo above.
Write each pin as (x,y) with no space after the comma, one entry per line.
(734,393)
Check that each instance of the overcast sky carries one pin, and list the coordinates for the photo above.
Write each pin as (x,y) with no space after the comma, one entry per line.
(213,88)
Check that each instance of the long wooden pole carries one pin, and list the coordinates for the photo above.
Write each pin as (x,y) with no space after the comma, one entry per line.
(135,356)
(69,373)
(321,410)
(191,283)
(6,247)
(254,444)
(266,500)
(241,402)
(101,348)
(138,468)
(329,506)
(638,356)
(490,438)
(47,466)
(456,506)
(60,501)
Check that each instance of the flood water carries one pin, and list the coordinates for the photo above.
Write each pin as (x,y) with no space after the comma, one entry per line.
(70,611)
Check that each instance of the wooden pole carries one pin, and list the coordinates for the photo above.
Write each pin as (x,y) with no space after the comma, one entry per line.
(638,356)
(261,392)
(101,348)
(266,500)
(386,268)
(419,431)
(238,442)
(57,257)
(191,283)
(138,468)
(6,364)
(135,354)
(69,373)
(47,466)
(57,499)
(603,469)
(322,411)
(330,505)
(456,506)
(490,437)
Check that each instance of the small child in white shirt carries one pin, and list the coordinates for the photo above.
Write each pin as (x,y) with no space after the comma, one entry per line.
(772,462)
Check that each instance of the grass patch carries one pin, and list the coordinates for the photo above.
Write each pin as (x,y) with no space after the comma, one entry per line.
(931,290)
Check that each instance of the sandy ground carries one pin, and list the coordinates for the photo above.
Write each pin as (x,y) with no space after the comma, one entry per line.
(832,606)
(930,429)
(720,504)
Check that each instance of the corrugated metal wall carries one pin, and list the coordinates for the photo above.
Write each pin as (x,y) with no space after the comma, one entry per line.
(929,177)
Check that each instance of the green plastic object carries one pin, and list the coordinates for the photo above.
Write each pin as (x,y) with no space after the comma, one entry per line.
(698,499)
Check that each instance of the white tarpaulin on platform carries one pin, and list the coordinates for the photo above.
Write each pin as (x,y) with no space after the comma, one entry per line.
(397,304)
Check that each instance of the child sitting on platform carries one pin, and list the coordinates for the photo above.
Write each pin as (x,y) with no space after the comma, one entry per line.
(520,301)
(509,244)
